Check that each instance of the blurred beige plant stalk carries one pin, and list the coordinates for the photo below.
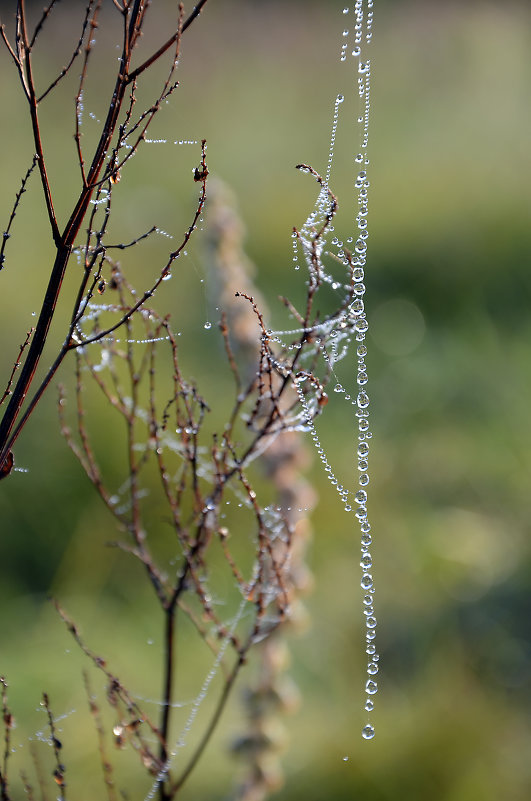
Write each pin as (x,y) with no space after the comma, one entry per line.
(272,693)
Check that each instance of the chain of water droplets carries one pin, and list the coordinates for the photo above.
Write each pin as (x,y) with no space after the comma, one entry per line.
(362,33)
(363,20)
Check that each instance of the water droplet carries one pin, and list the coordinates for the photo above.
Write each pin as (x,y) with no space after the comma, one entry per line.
(361,496)
(345,759)
(345,11)
(369,705)
(371,687)
(366,581)
(366,562)
(363,449)
(371,622)
(372,668)
(363,400)
(339,99)
(207,326)
(368,732)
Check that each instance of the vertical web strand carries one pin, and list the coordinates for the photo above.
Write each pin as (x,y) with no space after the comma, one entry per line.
(363,20)
(333,336)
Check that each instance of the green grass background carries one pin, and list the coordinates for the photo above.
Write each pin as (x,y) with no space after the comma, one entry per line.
(450,381)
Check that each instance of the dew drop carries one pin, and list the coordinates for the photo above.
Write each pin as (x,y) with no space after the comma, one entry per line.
(371,687)
(368,732)
(363,400)
(207,326)
(369,705)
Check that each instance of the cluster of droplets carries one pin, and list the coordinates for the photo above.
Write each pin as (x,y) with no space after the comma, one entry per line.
(167,141)
(362,13)
(363,32)
(339,100)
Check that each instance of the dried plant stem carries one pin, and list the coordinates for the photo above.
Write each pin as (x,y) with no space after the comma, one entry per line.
(101,169)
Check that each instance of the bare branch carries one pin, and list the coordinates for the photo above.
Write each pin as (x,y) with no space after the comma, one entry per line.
(7,233)
(77,50)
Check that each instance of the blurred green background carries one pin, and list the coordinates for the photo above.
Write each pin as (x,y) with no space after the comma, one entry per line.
(450,381)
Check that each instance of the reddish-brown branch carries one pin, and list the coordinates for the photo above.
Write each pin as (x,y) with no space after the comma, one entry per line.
(9,430)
